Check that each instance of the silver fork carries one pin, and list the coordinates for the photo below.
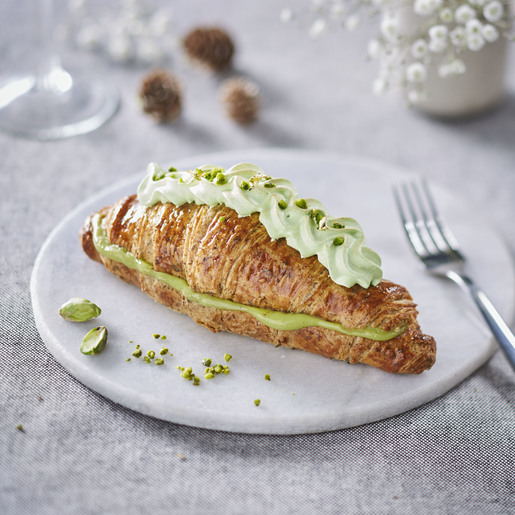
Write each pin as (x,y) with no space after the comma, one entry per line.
(437,248)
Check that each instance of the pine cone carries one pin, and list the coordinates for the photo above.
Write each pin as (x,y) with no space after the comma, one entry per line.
(211,47)
(241,100)
(161,97)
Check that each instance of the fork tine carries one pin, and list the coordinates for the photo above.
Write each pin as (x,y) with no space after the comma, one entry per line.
(431,224)
(409,224)
(440,222)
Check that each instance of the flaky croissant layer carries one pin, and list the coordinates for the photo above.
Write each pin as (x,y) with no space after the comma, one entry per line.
(233,258)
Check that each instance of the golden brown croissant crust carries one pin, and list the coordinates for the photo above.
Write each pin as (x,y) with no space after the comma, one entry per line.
(221,254)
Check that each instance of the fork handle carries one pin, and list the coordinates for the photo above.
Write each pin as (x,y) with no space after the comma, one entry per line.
(492,317)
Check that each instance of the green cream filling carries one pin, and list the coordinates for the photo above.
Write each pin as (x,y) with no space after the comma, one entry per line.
(274,319)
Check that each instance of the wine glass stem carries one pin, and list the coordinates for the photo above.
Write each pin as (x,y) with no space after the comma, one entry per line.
(50,76)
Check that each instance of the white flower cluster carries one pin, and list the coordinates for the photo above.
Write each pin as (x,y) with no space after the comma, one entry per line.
(446,29)
(131,33)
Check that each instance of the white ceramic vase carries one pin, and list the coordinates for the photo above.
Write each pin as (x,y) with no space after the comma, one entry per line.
(479,89)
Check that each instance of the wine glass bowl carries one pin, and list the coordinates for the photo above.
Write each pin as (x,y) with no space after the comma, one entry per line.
(50,103)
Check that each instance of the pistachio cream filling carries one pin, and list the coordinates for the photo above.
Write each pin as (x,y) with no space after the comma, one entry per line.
(339,243)
(274,319)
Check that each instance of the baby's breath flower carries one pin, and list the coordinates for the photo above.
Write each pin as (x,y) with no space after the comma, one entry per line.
(474,27)
(337,11)
(374,48)
(458,37)
(419,48)
(380,86)
(317,28)
(426,7)
(416,72)
(286,15)
(352,22)
(438,33)
(389,27)
(416,96)
(490,33)
(475,42)
(464,13)
(446,15)
(437,45)
(493,11)
(456,67)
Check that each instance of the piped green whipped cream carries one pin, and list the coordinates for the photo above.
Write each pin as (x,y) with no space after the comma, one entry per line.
(339,243)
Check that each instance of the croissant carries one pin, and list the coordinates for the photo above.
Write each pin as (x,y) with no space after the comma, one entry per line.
(230,275)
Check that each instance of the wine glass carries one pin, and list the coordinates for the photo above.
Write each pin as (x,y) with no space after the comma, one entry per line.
(50,103)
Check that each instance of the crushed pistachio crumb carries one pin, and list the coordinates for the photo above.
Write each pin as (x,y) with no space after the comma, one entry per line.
(283,204)
(301,203)
(267,377)
(137,353)
(146,359)
(19,427)
(163,351)
(163,337)
(156,336)
(227,357)
(159,361)
(257,402)
(128,359)
(206,362)
(222,219)
(245,185)
(269,185)
(151,354)
(338,241)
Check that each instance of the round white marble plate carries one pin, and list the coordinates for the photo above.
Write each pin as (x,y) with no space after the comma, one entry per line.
(306,393)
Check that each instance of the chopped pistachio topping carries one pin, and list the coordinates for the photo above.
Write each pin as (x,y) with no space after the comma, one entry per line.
(163,351)
(257,402)
(206,362)
(79,310)
(95,341)
(128,359)
(151,354)
(227,357)
(338,241)
(159,361)
(156,336)
(267,377)
(137,353)
(303,222)
(163,337)
(222,219)
(19,427)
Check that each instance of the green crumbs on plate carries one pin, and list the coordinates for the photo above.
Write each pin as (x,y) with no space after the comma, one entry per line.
(95,341)
(257,402)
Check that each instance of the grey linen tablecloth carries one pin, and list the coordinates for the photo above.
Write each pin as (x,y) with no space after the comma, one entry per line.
(81,453)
